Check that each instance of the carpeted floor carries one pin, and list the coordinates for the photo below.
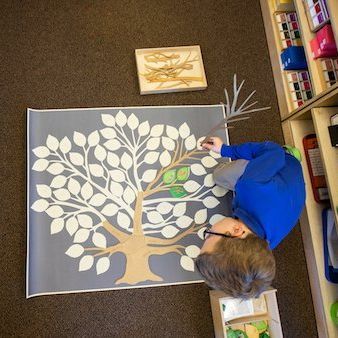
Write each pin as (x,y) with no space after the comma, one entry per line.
(81,54)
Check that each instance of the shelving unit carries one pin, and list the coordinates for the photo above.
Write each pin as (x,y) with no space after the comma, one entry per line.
(312,117)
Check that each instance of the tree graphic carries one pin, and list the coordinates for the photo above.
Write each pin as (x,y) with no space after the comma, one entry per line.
(122,203)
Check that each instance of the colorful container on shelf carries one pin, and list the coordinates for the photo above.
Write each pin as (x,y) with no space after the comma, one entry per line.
(284,5)
(300,87)
(330,70)
(317,13)
(324,45)
(293,58)
(288,27)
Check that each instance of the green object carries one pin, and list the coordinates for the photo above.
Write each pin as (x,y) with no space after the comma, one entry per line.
(236,334)
(183,173)
(260,326)
(293,151)
(169,176)
(334,312)
(264,335)
(177,192)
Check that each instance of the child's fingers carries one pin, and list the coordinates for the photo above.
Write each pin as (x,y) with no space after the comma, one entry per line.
(207,146)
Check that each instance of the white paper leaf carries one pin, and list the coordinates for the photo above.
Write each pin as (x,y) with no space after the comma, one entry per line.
(40,205)
(200,233)
(151,157)
(56,226)
(85,221)
(154,217)
(117,175)
(215,155)
(191,186)
(113,160)
(184,130)
(201,216)
(126,161)
(93,138)
(76,158)
(41,152)
(172,132)
(133,122)
(108,120)
(86,262)
(209,181)
(157,130)
(210,202)
(116,189)
(149,175)
(123,220)
(164,208)
(190,142)
(72,225)
(216,218)
(110,210)
(184,221)
(81,236)
(58,181)
(100,153)
(52,143)
(198,143)
(97,200)
(168,143)
(144,128)
(153,143)
(197,169)
(74,251)
(99,240)
(74,186)
(129,195)
(192,251)
(165,159)
(219,191)
(62,194)
(44,190)
(209,161)
(55,168)
(96,170)
(54,211)
(102,265)
(187,263)
(180,209)
(108,133)
(112,144)
(79,139)
(87,191)
(169,231)
(40,165)
(121,119)
(65,145)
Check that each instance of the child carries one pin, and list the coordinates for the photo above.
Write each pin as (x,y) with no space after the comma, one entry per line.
(269,195)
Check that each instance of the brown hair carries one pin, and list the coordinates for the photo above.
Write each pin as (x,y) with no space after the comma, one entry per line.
(242,268)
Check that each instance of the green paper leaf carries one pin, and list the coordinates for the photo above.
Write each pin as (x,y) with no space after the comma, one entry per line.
(169,176)
(183,173)
(178,192)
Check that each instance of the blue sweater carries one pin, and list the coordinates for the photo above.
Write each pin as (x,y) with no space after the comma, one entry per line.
(270,195)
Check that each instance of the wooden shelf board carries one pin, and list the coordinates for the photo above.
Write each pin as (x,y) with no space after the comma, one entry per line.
(324,293)
(333,11)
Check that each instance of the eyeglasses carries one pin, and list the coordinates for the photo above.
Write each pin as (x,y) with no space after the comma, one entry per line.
(207,233)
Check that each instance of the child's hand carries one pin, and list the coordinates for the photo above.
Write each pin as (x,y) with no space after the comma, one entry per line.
(214,144)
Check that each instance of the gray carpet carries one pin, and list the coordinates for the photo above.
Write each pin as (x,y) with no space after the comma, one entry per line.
(81,54)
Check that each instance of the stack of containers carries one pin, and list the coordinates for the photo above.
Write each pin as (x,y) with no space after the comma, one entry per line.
(293,60)
(323,45)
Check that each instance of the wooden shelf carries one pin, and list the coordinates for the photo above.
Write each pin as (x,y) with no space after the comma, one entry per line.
(324,293)
(314,66)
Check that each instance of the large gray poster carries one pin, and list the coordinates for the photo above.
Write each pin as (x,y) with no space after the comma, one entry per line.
(118,197)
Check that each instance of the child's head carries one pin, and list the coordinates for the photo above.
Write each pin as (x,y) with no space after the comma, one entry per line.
(241,267)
